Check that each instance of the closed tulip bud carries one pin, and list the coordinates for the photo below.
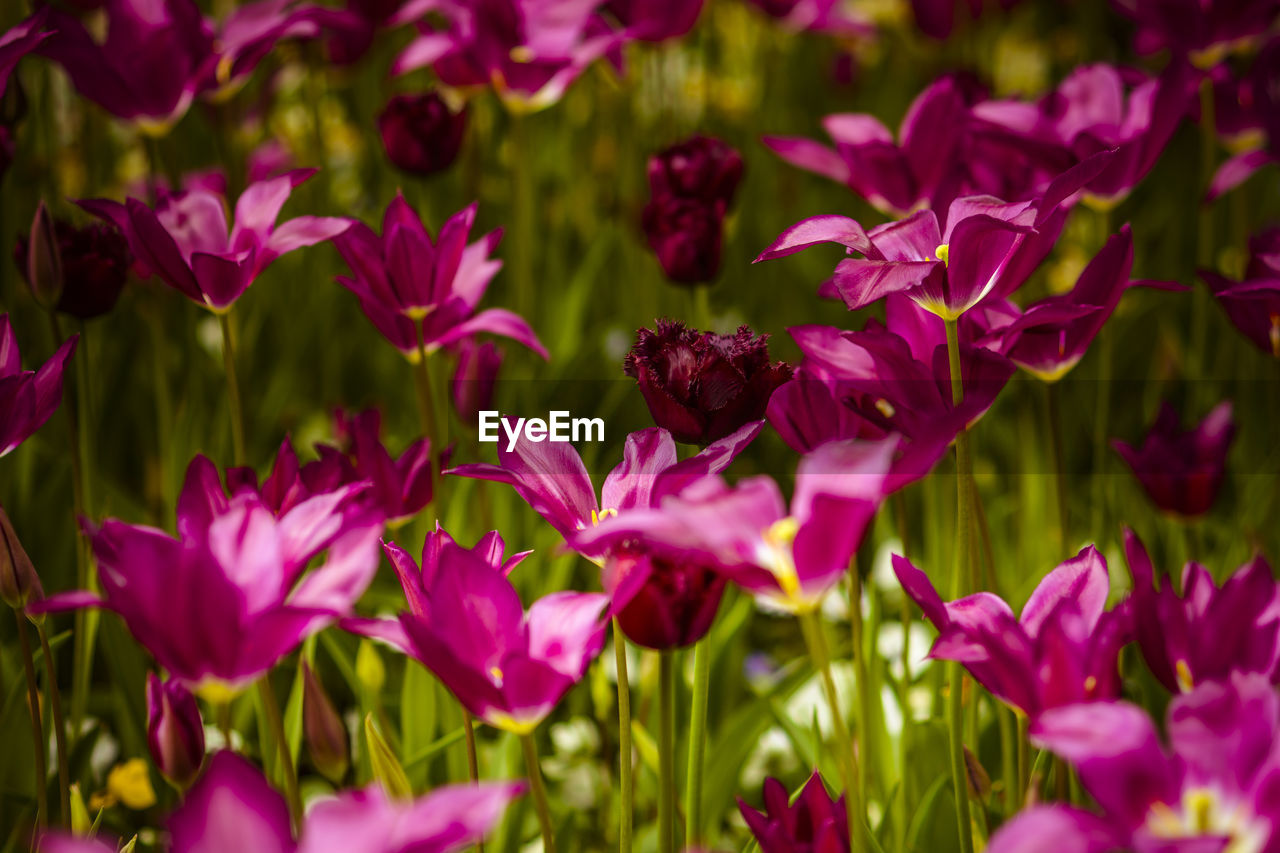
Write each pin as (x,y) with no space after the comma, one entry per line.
(700,168)
(325,734)
(18,581)
(686,235)
(701,386)
(662,603)
(175,732)
(474,378)
(420,133)
(95,264)
(44,260)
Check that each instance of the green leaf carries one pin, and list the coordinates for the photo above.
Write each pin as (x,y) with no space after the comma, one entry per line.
(386,767)
(418,723)
(293,715)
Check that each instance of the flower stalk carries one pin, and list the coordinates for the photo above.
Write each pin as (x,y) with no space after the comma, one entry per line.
(666,752)
(275,739)
(59,723)
(233,388)
(37,728)
(626,777)
(697,742)
(539,790)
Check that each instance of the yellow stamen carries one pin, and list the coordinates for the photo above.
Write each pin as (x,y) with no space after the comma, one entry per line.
(943,252)
(885,408)
(598,516)
(1275,335)
(1185,681)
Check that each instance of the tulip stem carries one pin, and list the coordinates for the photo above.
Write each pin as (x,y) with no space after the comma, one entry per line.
(955,698)
(904,687)
(275,724)
(37,727)
(523,239)
(666,751)
(702,307)
(473,763)
(1204,225)
(625,774)
(427,413)
(821,658)
(1053,413)
(233,388)
(1023,755)
(862,745)
(539,790)
(59,725)
(697,742)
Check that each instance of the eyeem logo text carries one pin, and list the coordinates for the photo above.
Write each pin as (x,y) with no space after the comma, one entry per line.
(557,427)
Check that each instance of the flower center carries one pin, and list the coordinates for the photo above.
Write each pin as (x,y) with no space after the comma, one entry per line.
(1203,812)
(598,516)
(776,555)
(1183,673)
(943,253)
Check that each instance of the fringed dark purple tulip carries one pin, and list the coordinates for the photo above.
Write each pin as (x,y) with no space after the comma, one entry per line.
(422,134)
(1253,305)
(814,823)
(831,17)
(424,292)
(788,558)
(1063,649)
(691,185)
(529,51)
(1182,470)
(1212,788)
(175,732)
(19,583)
(655,20)
(323,729)
(27,397)
(1195,30)
(1207,632)
(508,666)
(95,261)
(151,65)
(232,807)
(222,603)
(700,386)
(186,242)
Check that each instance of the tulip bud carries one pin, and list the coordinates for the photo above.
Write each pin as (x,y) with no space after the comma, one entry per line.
(81,823)
(95,263)
(701,386)
(370,671)
(326,735)
(386,767)
(420,133)
(474,378)
(44,260)
(701,168)
(175,732)
(18,580)
(662,604)
(686,235)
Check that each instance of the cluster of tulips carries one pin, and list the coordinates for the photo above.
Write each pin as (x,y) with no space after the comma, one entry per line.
(1113,711)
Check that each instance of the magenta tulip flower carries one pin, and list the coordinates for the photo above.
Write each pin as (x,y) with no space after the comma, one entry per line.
(553,480)
(19,40)
(1208,632)
(700,386)
(1211,789)
(1202,32)
(1053,334)
(420,293)
(1253,305)
(936,18)
(655,20)
(529,50)
(814,823)
(788,558)
(222,603)
(185,240)
(251,31)
(1247,118)
(95,263)
(175,732)
(831,17)
(508,666)
(27,397)
(945,271)
(232,807)
(1182,470)
(1063,649)
(150,66)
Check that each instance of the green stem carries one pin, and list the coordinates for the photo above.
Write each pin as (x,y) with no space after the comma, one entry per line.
(1008,758)
(666,752)
(904,686)
(427,412)
(1024,756)
(163,403)
(697,742)
(37,727)
(626,816)
(860,743)
(539,793)
(818,653)
(222,711)
(59,725)
(1102,417)
(275,724)
(955,698)
(233,388)
(1204,226)
(523,238)
(82,649)
(1053,413)
(702,307)
(473,763)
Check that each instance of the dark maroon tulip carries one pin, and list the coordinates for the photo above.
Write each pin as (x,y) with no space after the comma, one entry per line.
(95,266)
(1182,471)
(814,823)
(175,732)
(19,582)
(655,20)
(325,734)
(420,133)
(661,603)
(474,378)
(701,167)
(686,235)
(701,386)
